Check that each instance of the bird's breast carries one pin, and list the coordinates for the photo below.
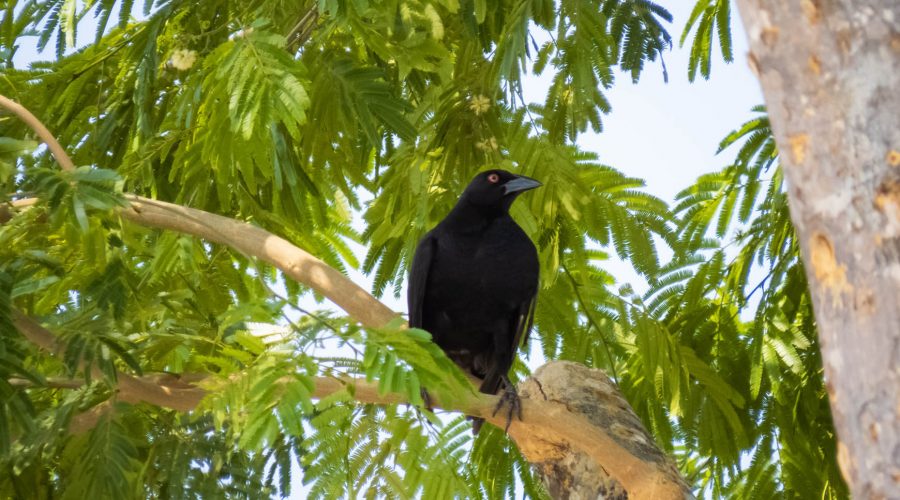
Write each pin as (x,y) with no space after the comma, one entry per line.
(483,274)
(476,285)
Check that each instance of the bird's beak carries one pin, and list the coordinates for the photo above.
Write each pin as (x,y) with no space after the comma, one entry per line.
(519,184)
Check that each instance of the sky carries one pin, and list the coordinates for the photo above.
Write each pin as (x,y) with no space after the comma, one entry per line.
(664,133)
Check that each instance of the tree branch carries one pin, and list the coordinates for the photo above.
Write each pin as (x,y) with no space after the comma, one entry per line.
(613,443)
(257,242)
(547,425)
(169,393)
(243,237)
(301,32)
(50,382)
(45,136)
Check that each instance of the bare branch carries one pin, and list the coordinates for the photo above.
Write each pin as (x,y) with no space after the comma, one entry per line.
(168,394)
(243,237)
(301,32)
(257,242)
(50,382)
(43,134)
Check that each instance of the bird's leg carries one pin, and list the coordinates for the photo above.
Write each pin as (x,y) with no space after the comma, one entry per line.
(511,397)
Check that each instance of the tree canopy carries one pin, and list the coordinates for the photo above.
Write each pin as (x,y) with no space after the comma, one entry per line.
(338,123)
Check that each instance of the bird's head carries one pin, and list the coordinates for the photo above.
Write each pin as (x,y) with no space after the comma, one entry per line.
(496,189)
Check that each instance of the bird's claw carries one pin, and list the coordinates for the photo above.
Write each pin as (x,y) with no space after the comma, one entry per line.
(511,397)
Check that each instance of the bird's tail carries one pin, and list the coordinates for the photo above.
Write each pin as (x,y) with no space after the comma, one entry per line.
(491,384)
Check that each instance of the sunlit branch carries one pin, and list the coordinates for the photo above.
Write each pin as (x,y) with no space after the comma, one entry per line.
(43,134)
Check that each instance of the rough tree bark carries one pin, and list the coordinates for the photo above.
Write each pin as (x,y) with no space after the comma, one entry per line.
(578,431)
(569,471)
(830,73)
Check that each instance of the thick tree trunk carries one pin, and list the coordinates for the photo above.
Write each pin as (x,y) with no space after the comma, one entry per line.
(830,72)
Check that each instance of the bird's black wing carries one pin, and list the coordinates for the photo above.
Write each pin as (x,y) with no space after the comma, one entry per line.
(523,322)
(418,280)
(526,321)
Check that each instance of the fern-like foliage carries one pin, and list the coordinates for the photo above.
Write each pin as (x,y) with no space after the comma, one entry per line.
(749,315)
(711,18)
(590,40)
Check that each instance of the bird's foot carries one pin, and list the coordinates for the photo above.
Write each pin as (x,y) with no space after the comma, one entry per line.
(511,398)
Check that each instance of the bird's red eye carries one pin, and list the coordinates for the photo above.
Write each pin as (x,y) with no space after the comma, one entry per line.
(493,178)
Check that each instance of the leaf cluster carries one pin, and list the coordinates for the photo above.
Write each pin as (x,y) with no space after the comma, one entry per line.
(745,308)
(712,18)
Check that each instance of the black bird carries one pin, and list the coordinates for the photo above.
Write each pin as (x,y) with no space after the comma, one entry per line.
(474,281)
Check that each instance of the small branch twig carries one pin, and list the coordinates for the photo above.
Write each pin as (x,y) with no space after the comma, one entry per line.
(301,32)
(590,318)
(50,382)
